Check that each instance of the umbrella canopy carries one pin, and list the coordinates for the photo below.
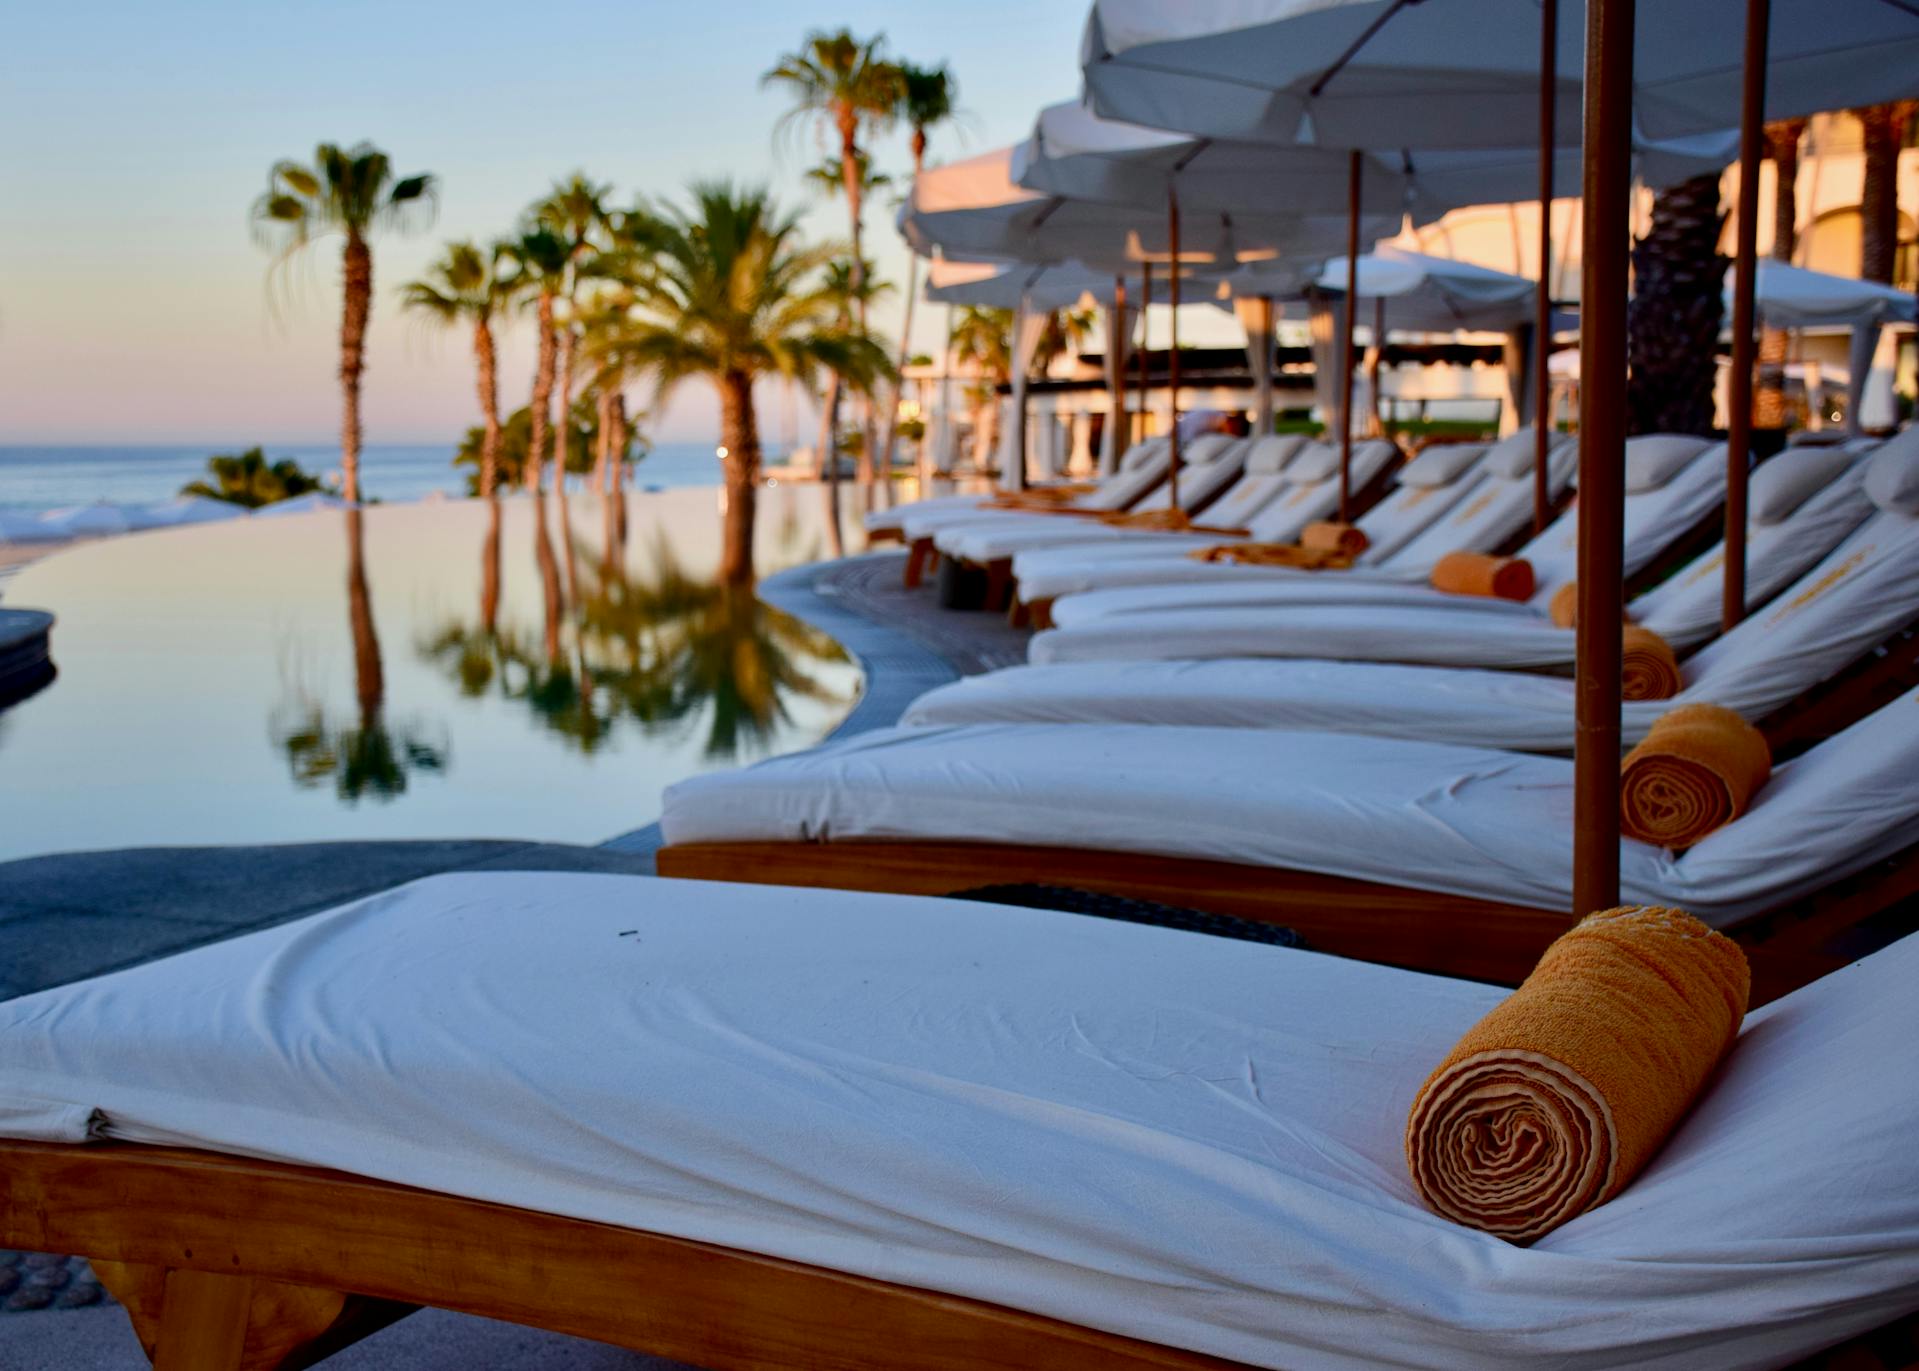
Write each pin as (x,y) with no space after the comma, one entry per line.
(1006,285)
(1076,153)
(1793,297)
(1419,293)
(975,209)
(24,528)
(1460,76)
(300,504)
(95,520)
(183,509)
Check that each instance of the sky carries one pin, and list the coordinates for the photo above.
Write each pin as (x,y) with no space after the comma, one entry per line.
(133,299)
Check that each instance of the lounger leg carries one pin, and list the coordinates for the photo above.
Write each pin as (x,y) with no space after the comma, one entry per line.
(916,561)
(999,583)
(1019,614)
(203,1322)
(1040,612)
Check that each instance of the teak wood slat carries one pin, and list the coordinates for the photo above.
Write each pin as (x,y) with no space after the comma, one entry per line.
(219,1227)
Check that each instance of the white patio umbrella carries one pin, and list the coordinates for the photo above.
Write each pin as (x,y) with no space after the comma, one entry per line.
(974,209)
(1794,297)
(181,510)
(25,528)
(87,521)
(1370,73)
(1421,293)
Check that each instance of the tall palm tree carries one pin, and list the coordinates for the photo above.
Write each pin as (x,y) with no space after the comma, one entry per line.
(1782,146)
(576,211)
(1672,322)
(539,261)
(1884,128)
(856,288)
(731,295)
(465,286)
(984,337)
(929,97)
(353,192)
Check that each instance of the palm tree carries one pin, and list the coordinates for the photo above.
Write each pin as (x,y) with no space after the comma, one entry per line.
(248,479)
(351,191)
(576,211)
(731,295)
(465,286)
(929,97)
(1884,128)
(1782,145)
(539,259)
(984,337)
(1672,322)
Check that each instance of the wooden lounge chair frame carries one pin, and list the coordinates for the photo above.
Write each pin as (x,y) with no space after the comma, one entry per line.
(229,1264)
(1451,935)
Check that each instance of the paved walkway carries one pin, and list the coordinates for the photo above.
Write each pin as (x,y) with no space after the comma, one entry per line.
(72,915)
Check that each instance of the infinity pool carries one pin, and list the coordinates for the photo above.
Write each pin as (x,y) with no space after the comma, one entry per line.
(255,682)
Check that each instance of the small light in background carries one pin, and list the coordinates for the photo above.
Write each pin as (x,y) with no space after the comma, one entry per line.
(720,452)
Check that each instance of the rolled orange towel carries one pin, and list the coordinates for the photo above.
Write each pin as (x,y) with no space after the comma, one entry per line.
(1648,669)
(1325,535)
(1554,1101)
(1564,606)
(1479,573)
(1696,771)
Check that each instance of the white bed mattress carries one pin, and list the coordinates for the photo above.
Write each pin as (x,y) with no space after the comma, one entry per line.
(1431,816)
(1184,1139)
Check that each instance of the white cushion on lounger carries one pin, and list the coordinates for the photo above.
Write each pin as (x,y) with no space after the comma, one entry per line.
(1185,1139)
(1272,453)
(1656,458)
(1512,456)
(1441,464)
(1778,487)
(1892,474)
(1465,820)
(1308,499)
(1314,461)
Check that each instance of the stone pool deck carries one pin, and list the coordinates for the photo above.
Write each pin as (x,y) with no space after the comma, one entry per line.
(71,915)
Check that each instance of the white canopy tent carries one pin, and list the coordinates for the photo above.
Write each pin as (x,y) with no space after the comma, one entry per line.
(1793,297)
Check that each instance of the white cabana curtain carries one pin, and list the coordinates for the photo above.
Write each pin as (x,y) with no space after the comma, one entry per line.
(1325,323)
(1256,317)
(1029,325)
(1119,329)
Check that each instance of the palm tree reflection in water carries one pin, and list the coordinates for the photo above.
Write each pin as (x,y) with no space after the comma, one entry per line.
(660,648)
(368,759)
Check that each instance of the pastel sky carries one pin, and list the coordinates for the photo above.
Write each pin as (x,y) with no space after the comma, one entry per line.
(133,305)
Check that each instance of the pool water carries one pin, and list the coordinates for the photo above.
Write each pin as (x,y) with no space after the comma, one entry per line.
(256,682)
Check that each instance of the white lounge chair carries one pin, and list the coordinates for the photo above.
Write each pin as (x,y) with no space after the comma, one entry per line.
(774,1127)
(1142,468)
(1358,841)
(1861,594)
(1346,617)
(1211,463)
(1437,509)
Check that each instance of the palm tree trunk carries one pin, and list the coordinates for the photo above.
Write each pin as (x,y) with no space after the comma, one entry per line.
(356,305)
(487,366)
(603,410)
(906,332)
(1673,319)
(1769,393)
(541,412)
(563,420)
(490,568)
(369,676)
(739,431)
(616,468)
(850,180)
(1878,196)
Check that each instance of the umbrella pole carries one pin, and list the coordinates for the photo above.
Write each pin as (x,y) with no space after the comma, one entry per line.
(1145,322)
(1346,340)
(1745,268)
(1122,436)
(1172,354)
(1606,205)
(1542,293)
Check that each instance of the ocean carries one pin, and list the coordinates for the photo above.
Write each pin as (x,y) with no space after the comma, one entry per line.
(34,478)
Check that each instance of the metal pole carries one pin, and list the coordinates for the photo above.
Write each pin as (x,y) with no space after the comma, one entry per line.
(1172,354)
(1606,205)
(1542,293)
(1346,339)
(1752,109)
